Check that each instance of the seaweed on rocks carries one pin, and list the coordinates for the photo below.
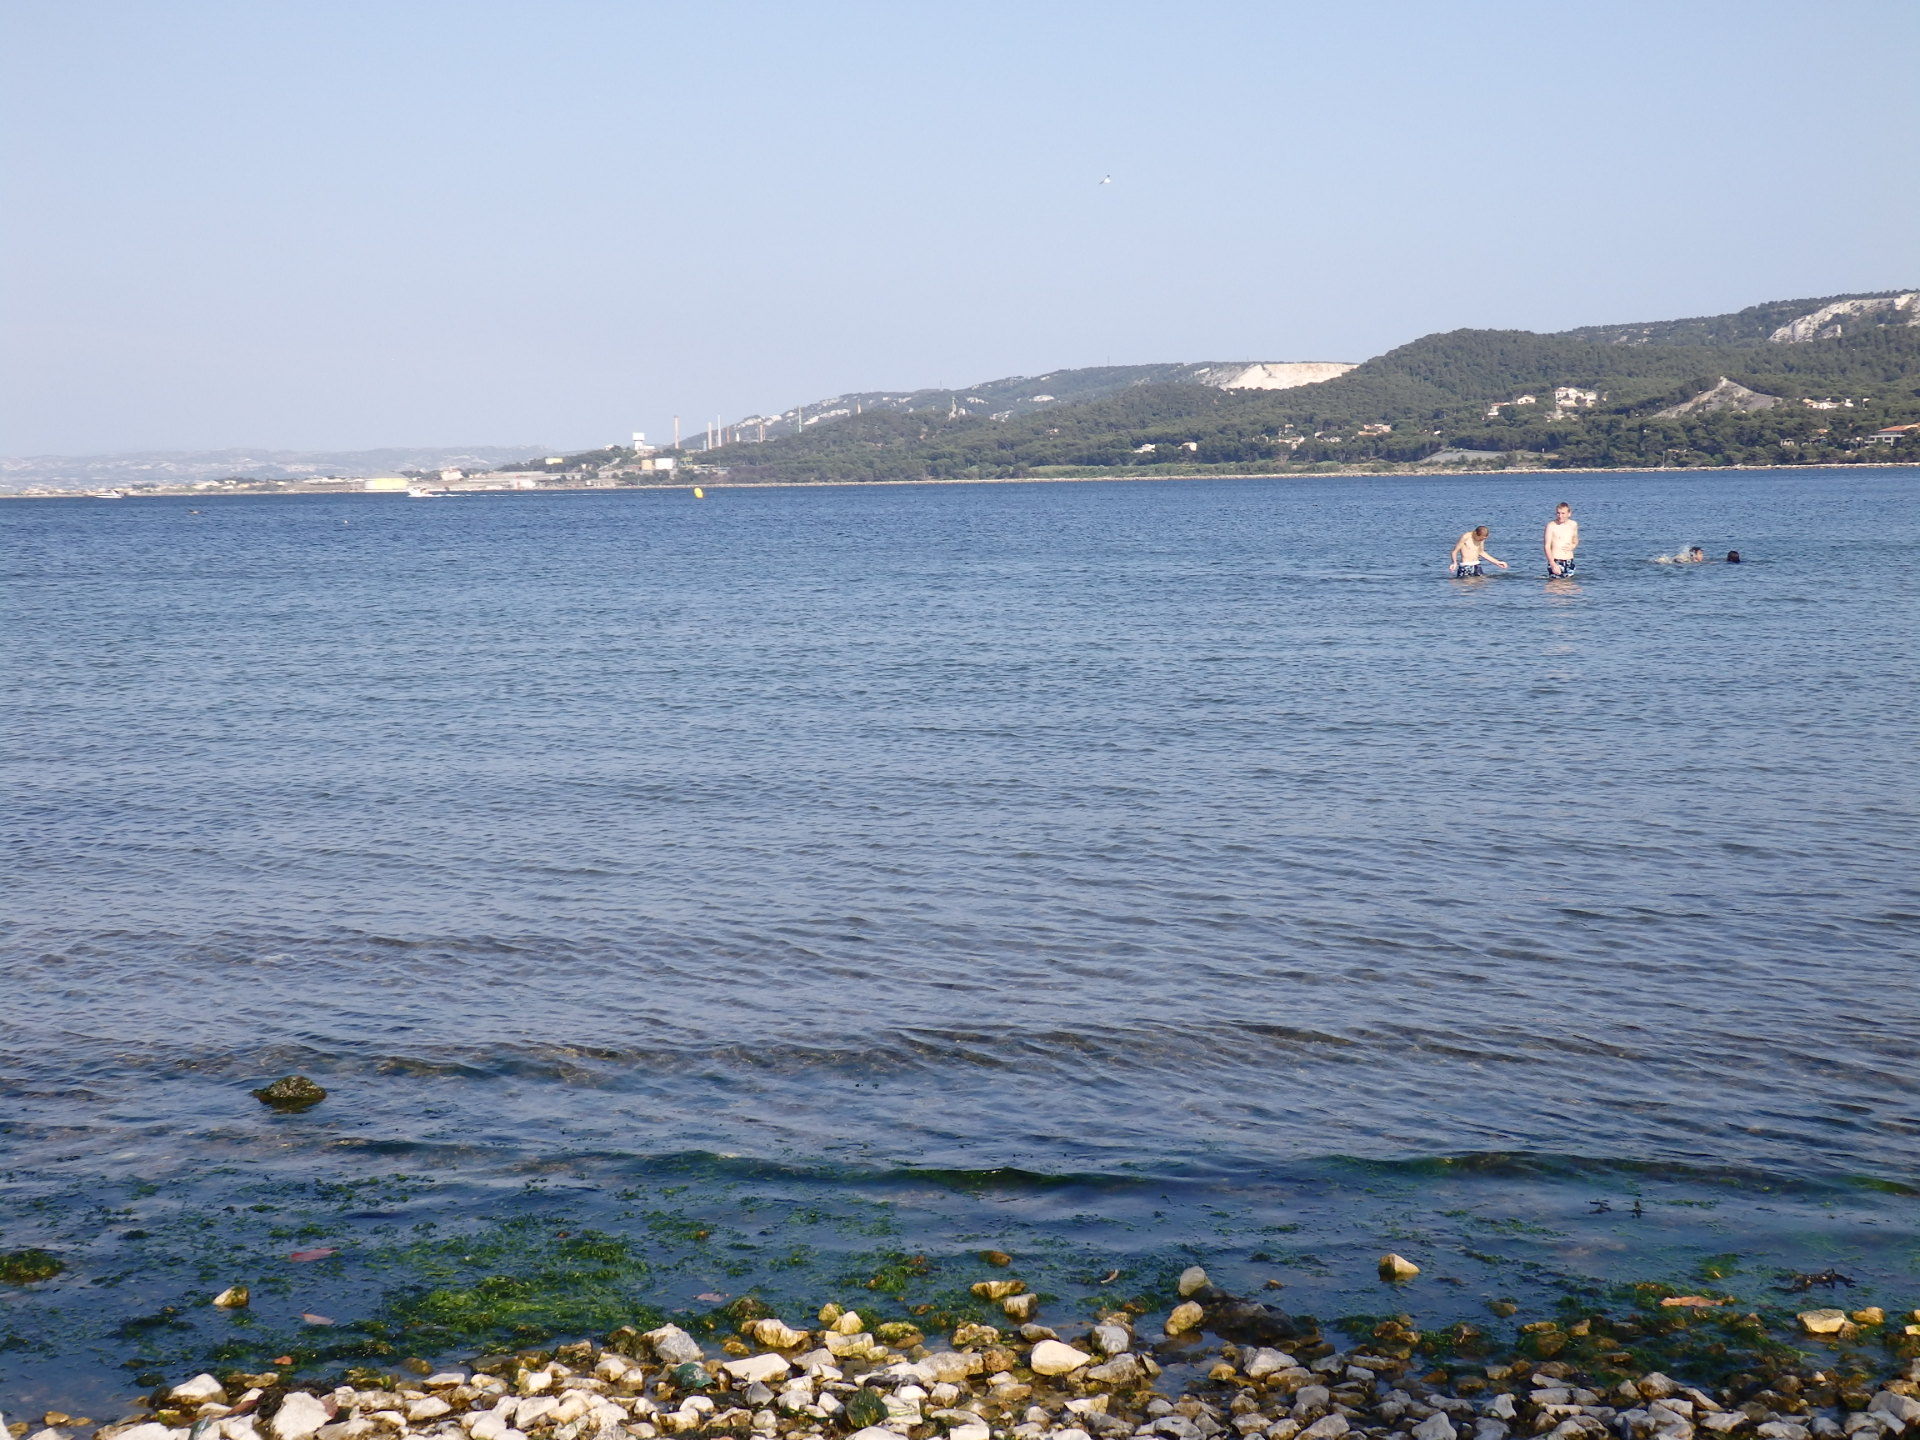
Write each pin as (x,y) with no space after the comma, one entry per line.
(290,1093)
(1248,1322)
(29,1267)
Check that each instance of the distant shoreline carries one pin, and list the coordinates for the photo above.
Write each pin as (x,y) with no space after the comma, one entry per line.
(702,482)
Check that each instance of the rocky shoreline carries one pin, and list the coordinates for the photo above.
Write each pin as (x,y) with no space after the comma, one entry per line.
(1216,1365)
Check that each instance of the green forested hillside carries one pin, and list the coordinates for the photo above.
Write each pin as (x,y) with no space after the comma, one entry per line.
(1812,401)
(1426,397)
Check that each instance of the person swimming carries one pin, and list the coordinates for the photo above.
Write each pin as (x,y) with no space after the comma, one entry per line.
(1470,552)
(1733,557)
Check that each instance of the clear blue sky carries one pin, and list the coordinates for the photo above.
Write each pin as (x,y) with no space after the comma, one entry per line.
(342,223)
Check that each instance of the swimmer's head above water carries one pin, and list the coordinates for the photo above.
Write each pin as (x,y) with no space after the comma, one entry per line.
(1733,557)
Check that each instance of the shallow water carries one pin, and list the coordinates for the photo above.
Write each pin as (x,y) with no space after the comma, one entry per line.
(1177,837)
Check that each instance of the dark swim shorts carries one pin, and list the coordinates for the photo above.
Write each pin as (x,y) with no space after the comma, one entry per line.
(1559,569)
(1466,572)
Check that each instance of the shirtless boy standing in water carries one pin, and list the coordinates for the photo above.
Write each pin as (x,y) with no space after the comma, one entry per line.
(1471,552)
(1561,540)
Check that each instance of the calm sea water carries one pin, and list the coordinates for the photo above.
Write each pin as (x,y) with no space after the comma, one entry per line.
(1189,836)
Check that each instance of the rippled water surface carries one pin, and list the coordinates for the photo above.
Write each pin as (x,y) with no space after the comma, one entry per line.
(1196,831)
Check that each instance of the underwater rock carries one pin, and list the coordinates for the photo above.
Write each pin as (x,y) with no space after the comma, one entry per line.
(1823,1322)
(290,1093)
(234,1297)
(1247,1322)
(29,1267)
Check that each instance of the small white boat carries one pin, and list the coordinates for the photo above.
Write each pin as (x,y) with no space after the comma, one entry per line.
(425,492)
(110,495)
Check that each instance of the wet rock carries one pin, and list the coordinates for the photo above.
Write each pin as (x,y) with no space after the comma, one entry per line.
(1110,1338)
(1053,1357)
(1435,1427)
(1902,1408)
(234,1297)
(1121,1369)
(1823,1322)
(1191,1279)
(1020,1307)
(951,1367)
(866,1408)
(1265,1361)
(1186,1316)
(673,1346)
(290,1093)
(198,1391)
(299,1417)
(1310,1400)
(1397,1267)
(1327,1427)
(776,1334)
(760,1368)
(997,1289)
(1248,1322)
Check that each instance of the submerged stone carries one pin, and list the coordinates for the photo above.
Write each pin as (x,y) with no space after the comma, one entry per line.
(290,1092)
(29,1267)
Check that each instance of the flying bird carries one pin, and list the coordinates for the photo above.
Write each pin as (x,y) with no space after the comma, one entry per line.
(1107,181)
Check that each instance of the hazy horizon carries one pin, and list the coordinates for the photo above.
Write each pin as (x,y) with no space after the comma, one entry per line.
(351,227)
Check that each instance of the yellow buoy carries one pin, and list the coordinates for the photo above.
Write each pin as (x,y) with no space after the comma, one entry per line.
(698,493)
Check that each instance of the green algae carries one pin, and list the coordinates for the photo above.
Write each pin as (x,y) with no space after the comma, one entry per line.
(430,1267)
(29,1267)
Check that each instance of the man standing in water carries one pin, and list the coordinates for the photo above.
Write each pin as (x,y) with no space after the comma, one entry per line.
(1561,540)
